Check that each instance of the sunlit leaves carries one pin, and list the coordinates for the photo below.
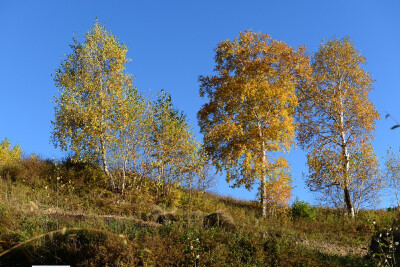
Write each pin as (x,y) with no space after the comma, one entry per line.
(278,185)
(366,177)
(8,154)
(251,104)
(335,116)
(172,147)
(93,87)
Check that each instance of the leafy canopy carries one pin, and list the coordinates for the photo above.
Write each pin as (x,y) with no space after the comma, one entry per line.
(93,86)
(336,120)
(251,101)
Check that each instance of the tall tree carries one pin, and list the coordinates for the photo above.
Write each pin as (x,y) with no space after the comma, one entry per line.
(132,136)
(335,116)
(172,145)
(92,84)
(251,104)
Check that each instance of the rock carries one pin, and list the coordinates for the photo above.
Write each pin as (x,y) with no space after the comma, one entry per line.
(166,217)
(219,219)
(155,213)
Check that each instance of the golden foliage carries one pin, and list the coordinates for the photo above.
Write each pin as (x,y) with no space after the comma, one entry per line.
(172,147)
(251,104)
(93,87)
(335,115)
(279,185)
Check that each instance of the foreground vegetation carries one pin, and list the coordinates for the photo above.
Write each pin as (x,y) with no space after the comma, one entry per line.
(133,192)
(67,214)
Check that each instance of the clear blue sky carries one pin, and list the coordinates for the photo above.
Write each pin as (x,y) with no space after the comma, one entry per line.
(171,43)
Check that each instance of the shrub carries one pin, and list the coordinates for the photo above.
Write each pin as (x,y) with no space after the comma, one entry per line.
(384,248)
(301,209)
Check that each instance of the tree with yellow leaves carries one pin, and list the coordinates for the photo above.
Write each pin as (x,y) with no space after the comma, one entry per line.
(93,86)
(172,147)
(8,154)
(252,100)
(336,118)
(278,185)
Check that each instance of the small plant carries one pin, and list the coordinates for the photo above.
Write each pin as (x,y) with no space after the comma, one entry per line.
(193,249)
(384,248)
(301,209)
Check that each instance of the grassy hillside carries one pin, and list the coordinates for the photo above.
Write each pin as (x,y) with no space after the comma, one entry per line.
(65,214)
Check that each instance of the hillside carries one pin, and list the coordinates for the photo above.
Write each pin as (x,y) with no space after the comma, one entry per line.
(65,214)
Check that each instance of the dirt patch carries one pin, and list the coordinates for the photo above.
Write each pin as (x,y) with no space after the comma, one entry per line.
(333,249)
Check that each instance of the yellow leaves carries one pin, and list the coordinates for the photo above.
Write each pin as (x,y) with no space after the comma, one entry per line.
(91,82)
(279,187)
(336,119)
(251,104)
(9,155)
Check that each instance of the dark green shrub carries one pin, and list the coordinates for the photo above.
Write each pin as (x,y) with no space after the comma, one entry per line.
(384,247)
(303,210)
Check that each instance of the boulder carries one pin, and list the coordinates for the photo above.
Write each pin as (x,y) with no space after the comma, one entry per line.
(220,219)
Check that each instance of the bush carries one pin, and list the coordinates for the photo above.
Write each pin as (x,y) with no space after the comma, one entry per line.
(301,209)
(384,247)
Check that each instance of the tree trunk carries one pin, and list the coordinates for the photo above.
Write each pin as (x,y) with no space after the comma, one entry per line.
(263,198)
(263,177)
(105,166)
(263,184)
(123,177)
(347,201)
(346,171)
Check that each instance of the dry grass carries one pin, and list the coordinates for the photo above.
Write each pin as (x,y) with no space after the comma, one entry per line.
(222,231)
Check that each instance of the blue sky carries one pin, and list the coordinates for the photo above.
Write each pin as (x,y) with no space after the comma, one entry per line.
(171,43)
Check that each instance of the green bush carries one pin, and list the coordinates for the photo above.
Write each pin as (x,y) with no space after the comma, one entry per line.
(384,247)
(301,209)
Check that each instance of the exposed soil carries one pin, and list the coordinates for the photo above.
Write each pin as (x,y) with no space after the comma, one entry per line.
(333,249)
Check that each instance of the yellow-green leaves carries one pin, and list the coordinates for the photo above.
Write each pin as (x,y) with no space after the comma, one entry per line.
(8,154)
(101,117)
(93,87)
(251,104)
(172,147)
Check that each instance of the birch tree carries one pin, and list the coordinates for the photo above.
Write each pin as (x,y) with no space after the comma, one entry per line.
(392,172)
(92,86)
(335,116)
(132,137)
(251,102)
(172,145)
